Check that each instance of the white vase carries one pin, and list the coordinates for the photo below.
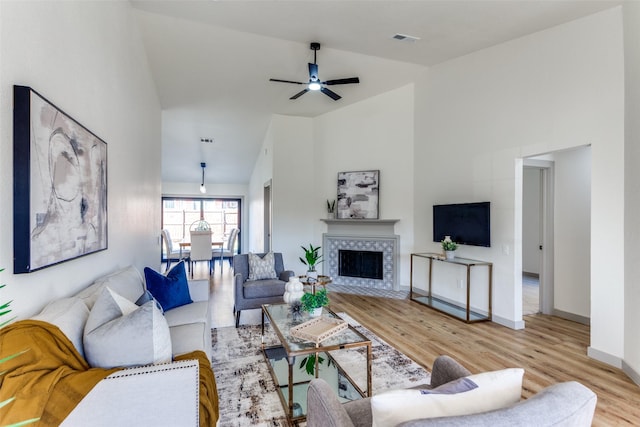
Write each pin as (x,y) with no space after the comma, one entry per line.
(312,275)
(293,290)
(316,312)
(450,254)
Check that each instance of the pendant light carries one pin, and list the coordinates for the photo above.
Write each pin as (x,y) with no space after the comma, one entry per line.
(203,189)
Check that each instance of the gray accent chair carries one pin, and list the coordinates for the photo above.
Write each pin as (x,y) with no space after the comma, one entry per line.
(251,294)
(568,404)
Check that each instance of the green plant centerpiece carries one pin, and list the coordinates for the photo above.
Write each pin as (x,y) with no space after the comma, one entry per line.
(449,246)
(312,257)
(311,301)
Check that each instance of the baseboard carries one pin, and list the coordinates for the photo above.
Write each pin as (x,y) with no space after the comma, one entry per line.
(604,357)
(571,316)
(508,323)
(635,376)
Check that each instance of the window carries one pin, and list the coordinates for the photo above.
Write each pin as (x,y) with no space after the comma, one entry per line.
(179,213)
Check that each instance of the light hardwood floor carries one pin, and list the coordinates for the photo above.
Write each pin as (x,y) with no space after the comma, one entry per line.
(550,349)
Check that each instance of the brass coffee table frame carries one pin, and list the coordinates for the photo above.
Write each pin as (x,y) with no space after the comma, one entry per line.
(295,347)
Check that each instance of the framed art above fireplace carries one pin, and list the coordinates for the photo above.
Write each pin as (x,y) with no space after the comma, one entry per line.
(358,194)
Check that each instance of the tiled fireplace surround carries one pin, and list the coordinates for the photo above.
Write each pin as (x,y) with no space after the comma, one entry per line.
(362,235)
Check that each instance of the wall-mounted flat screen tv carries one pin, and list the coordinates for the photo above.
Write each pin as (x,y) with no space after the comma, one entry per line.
(466,223)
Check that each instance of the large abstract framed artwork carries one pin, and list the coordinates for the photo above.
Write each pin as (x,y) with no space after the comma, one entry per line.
(358,194)
(59,185)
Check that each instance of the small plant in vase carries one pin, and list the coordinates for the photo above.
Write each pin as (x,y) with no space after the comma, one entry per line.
(313,303)
(331,209)
(449,247)
(312,257)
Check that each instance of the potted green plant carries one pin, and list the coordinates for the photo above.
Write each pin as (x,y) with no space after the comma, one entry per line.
(449,247)
(312,257)
(313,303)
(331,208)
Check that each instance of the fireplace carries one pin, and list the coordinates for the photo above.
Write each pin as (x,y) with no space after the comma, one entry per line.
(361,253)
(365,264)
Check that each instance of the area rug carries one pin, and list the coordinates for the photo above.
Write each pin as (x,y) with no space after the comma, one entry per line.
(247,394)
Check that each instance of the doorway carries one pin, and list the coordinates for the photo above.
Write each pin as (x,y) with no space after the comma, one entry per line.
(537,236)
(267,217)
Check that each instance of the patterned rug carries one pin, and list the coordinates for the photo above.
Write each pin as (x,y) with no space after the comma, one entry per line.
(247,394)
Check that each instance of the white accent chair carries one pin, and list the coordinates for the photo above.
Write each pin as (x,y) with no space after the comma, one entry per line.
(227,251)
(200,249)
(171,253)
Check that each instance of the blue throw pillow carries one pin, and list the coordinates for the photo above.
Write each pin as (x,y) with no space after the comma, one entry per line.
(170,291)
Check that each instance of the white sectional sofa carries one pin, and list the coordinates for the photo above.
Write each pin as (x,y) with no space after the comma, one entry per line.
(165,394)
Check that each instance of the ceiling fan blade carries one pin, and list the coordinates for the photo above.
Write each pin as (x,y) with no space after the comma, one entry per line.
(299,94)
(330,93)
(342,81)
(287,81)
(313,71)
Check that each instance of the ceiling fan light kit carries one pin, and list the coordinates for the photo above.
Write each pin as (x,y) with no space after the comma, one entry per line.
(314,82)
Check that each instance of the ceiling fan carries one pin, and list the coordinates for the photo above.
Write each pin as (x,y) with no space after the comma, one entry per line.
(314,82)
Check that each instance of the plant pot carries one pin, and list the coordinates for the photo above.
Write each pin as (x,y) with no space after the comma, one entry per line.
(312,275)
(450,254)
(316,312)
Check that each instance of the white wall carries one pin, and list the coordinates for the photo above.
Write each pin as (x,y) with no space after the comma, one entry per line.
(632,190)
(286,159)
(531,205)
(572,242)
(478,115)
(88,59)
(377,133)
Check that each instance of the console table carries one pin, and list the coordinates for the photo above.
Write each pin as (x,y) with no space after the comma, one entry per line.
(452,308)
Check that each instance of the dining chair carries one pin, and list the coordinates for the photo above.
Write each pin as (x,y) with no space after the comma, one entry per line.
(200,248)
(171,253)
(226,251)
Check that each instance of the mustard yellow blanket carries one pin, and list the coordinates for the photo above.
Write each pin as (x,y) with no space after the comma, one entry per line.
(48,379)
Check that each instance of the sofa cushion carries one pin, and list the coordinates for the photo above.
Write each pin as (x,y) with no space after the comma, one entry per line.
(188,338)
(126,282)
(195,312)
(262,268)
(487,391)
(70,315)
(263,288)
(133,337)
(171,290)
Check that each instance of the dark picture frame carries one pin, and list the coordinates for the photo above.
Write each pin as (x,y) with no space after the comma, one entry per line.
(358,194)
(59,185)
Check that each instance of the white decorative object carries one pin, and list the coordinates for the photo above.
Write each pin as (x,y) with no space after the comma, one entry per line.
(316,312)
(450,254)
(312,275)
(293,290)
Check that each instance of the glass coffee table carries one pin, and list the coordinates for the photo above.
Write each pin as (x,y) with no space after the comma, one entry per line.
(286,360)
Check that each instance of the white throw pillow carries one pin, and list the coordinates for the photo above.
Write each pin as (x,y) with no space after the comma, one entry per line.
(70,315)
(262,268)
(125,336)
(495,390)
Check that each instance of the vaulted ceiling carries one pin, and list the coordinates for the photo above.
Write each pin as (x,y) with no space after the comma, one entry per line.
(212,61)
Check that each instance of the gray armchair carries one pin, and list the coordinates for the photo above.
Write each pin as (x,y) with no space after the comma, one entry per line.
(250,294)
(568,404)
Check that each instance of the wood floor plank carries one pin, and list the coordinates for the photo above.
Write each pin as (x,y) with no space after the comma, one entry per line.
(550,349)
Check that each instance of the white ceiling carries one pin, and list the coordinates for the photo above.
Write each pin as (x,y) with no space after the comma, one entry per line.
(212,60)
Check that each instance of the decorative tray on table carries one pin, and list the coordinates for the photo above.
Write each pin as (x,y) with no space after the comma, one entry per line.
(319,329)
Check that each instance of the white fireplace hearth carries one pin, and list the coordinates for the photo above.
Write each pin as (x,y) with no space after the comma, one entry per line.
(362,235)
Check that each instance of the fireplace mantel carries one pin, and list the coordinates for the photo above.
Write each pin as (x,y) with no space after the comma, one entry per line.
(360,221)
(361,227)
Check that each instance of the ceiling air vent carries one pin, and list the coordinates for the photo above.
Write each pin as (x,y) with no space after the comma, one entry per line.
(206,140)
(405,38)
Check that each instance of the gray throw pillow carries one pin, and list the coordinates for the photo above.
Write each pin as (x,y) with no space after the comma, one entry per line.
(262,268)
